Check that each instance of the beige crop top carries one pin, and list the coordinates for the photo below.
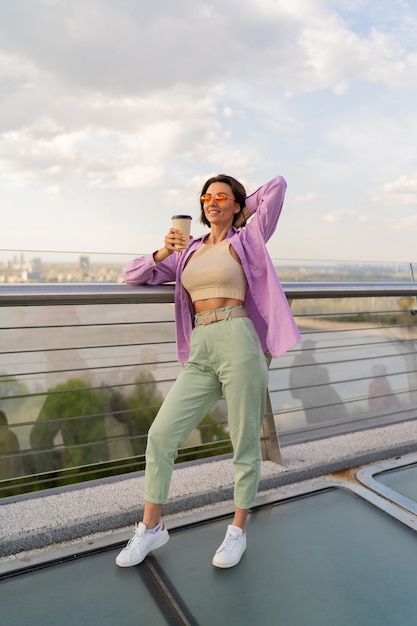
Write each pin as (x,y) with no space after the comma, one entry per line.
(212,272)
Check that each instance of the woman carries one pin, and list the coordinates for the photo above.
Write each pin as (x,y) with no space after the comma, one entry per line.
(230,310)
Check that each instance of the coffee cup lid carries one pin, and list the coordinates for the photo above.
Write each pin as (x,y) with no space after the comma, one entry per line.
(181,217)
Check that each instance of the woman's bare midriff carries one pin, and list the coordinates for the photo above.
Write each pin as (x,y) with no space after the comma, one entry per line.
(200,306)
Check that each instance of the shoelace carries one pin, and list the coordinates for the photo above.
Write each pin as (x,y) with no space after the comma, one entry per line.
(229,541)
(135,537)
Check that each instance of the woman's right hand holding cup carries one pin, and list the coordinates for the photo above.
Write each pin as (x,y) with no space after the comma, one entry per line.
(174,242)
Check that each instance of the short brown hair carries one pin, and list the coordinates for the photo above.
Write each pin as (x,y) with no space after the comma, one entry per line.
(238,189)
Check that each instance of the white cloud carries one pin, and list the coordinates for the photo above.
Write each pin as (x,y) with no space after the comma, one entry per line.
(407,223)
(307,197)
(229,113)
(400,192)
(336,56)
(121,142)
(375,140)
(53,190)
(124,104)
(128,177)
(125,48)
(343,215)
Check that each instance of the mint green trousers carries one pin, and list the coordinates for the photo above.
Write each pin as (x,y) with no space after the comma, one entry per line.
(226,358)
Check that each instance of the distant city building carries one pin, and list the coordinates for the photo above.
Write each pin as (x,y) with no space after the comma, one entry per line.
(85,265)
(17,269)
(35,271)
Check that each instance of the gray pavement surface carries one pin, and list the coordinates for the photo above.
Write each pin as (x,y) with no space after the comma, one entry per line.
(92,513)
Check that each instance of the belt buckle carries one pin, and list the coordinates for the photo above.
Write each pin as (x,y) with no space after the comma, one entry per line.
(208,318)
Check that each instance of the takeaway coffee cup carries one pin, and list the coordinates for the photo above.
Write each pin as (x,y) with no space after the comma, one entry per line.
(183,223)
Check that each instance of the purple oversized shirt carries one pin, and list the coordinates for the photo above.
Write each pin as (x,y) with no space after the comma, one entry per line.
(265,300)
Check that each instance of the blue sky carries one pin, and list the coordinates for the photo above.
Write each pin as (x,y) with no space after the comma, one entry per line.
(114,112)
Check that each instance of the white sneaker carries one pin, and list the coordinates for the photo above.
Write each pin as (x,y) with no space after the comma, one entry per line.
(141,544)
(230,551)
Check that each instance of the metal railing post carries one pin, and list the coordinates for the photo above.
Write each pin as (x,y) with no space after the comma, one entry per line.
(269,437)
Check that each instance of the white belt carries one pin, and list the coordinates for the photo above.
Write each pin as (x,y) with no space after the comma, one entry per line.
(217,316)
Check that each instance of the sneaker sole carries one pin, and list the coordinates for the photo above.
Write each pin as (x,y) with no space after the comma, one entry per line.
(227,565)
(163,540)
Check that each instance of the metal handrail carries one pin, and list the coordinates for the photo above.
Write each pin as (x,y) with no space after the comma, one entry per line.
(44,294)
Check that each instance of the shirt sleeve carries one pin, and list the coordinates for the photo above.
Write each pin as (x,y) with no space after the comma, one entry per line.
(145,271)
(266,206)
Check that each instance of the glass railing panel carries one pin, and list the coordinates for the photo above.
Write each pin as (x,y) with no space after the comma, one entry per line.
(38,266)
(357,359)
(80,384)
(342,271)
